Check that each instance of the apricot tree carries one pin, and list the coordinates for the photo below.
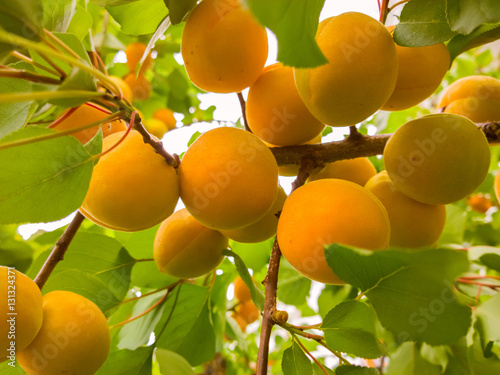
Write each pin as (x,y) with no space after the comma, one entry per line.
(381,257)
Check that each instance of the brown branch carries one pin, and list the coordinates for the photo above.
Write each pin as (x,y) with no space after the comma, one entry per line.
(271,281)
(29,76)
(244,111)
(59,250)
(384,11)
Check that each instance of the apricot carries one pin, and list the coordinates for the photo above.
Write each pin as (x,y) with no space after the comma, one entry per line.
(140,86)
(228,179)
(21,296)
(264,228)
(248,311)
(241,290)
(134,53)
(132,187)
(479,203)
(275,111)
(74,338)
(496,185)
(156,127)
(413,224)
(167,116)
(87,114)
(187,249)
(358,170)
(475,97)
(420,72)
(437,159)
(224,48)
(242,323)
(124,87)
(361,73)
(329,211)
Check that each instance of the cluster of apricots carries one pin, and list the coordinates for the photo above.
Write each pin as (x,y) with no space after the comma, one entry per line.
(136,80)
(58,333)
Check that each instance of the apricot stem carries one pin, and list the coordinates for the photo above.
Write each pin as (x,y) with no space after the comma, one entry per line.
(30,61)
(61,44)
(309,354)
(48,95)
(28,76)
(384,11)
(271,281)
(59,250)
(243,111)
(391,8)
(59,70)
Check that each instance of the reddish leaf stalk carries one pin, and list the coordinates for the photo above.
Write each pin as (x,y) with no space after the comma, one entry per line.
(244,111)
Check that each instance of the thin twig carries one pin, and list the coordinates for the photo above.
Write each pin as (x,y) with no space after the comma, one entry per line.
(30,61)
(29,76)
(59,250)
(311,356)
(391,8)
(56,67)
(61,44)
(244,111)
(384,11)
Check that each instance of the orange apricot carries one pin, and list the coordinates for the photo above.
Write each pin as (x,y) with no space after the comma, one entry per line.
(262,229)
(132,187)
(475,97)
(140,86)
(248,311)
(241,290)
(496,185)
(74,338)
(134,52)
(275,111)
(156,127)
(22,297)
(228,178)
(242,323)
(86,114)
(420,72)
(124,87)
(413,224)
(167,116)
(479,203)
(224,48)
(358,170)
(361,73)
(329,211)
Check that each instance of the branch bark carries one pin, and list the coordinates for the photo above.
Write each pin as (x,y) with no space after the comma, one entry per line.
(59,250)
(243,105)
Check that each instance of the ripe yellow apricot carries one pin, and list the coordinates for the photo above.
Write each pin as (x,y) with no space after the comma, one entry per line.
(241,291)
(20,296)
(497,186)
(248,311)
(124,87)
(437,159)
(134,52)
(74,338)
(358,170)
(264,228)
(329,211)
(156,127)
(167,116)
(360,75)
(224,48)
(275,111)
(475,97)
(420,72)
(479,203)
(187,249)
(413,224)
(87,114)
(228,178)
(132,187)
(140,86)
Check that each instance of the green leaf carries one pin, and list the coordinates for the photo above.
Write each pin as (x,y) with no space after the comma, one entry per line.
(332,295)
(295,362)
(319,371)
(139,17)
(480,365)
(178,9)
(295,24)
(94,146)
(482,35)
(172,363)
(411,292)
(76,80)
(13,116)
(486,255)
(355,370)
(57,14)
(257,296)
(293,287)
(408,361)
(488,319)
(466,15)
(255,255)
(454,227)
(350,328)
(95,266)
(423,23)
(127,362)
(80,23)
(43,181)
(17,254)
(105,3)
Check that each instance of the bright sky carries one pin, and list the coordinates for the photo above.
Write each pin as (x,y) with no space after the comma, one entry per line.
(228,107)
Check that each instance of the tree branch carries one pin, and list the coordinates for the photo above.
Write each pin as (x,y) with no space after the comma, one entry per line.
(59,250)
(244,111)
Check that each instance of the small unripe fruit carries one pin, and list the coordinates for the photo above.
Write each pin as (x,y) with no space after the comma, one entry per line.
(228,178)
(437,159)
(22,297)
(329,211)
(132,187)
(223,47)
(185,248)
(413,224)
(358,170)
